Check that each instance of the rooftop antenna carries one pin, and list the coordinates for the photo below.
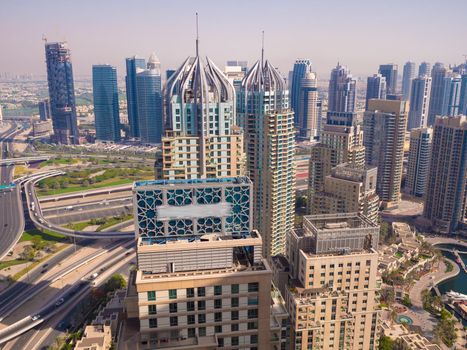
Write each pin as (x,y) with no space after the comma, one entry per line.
(197,37)
(262,48)
(44,38)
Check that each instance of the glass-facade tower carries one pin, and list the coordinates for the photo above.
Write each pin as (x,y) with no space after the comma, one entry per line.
(134,65)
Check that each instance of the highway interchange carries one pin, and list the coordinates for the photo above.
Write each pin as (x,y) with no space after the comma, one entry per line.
(33,308)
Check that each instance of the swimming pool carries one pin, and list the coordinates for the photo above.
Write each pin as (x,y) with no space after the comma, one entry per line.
(404,319)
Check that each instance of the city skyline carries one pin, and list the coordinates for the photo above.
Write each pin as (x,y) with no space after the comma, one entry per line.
(139,34)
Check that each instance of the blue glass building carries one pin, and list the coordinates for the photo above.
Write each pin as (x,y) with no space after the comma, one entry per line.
(44,110)
(106,109)
(389,71)
(133,65)
(300,69)
(375,88)
(463,97)
(61,93)
(149,99)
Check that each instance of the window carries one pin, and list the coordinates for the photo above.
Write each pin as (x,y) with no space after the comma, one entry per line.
(234,327)
(201,305)
(153,323)
(191,332)
(152,309)
(190,306)
(151,295)
(190,292)
(218,317)
(253,339)
(173,307)
(202,331)
(252,301)
(217,290)
(234,315)
(217,303)
(234,340)
(234,288)
(201,291)
(172,294)
(253,313)
(190,319)
(220,342)
(173,321)
(201,318)
(254,325)
(253,287)
(218,329)
(234,302)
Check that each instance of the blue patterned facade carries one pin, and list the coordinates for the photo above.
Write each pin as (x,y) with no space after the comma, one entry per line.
(150,197)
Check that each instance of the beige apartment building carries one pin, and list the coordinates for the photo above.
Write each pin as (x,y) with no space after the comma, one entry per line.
(201,281)
(332,288)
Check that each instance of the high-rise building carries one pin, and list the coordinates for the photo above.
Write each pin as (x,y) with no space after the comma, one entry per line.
(445,198)
(384,126)
(61,93)
(424,69)
(451,95)
(463,96)
(309,114)
(333,284)
(134,65)
(169,73)
(407,76)
(438,75)
(201,139)
(389,71)
(375,88)
(106,108)
(201,282)
(348,189)
(342,90)
(300,69)
(149,98)
(270,148)
(419,102)
(419,160)
(44,110)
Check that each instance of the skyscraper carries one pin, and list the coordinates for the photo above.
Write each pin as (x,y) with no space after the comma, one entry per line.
(375,88)
(300,69)
(270,148)
(389,71)
(149,98)
(384,126)
(342,90)
(201,282)
(201,139)
(451,95)
(419,160)
(407,76)
(445,200)
(106,108)
(424,69)
(419,102)
(308,107)
(61,93)
(463,96)
(438,75)
(134,65)
(44,110)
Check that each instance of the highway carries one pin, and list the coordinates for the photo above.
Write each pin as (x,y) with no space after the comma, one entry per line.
(11,210)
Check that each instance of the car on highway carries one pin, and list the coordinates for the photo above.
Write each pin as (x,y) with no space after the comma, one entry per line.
(36,317)
(59,302)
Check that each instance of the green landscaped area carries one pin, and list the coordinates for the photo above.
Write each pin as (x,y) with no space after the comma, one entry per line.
(5,264)
(102,223)
(59,161)
(81,180)
(43,236)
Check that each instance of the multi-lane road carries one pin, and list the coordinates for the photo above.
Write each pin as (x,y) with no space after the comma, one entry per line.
(11,210)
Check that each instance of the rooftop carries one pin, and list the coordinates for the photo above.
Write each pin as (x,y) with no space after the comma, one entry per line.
(192,182)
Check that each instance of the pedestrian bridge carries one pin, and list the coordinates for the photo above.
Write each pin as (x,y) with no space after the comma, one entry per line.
(22,160)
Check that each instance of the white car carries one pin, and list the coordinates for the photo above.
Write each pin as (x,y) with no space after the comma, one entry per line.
(36,317)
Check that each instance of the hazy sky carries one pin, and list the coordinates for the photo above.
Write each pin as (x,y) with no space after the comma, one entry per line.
(360,33)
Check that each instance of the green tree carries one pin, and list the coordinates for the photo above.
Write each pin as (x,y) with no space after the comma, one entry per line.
(386,343)
(37,243)
(117,281)
(28,253)
(445,330)
(406,301)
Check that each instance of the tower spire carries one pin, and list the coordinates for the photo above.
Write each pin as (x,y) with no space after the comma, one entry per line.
(262,48)
(197,37)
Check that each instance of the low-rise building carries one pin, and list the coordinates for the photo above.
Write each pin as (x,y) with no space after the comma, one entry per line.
(95,337)
(412,341)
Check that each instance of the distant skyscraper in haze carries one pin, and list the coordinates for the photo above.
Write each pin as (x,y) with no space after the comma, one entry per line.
(375,88)
(418,161)
(419,102)
(438,75)
(389,71)
(452,94)
(238,63)
(463,97)
(342,90)
(445,199)
(270,148)
(308,107)
(407,76)
(106,108)
(424,69)
(134,65)
(149,97)
(44,110)
(61,93)
(300,69)
(384,126)
(169,73)
(201,139)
